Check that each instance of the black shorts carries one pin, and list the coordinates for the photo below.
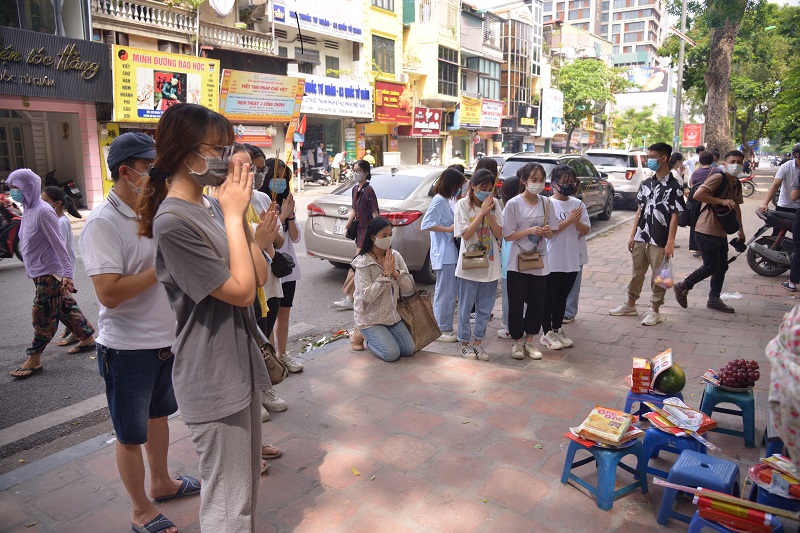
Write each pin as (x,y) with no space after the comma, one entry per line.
(288,293)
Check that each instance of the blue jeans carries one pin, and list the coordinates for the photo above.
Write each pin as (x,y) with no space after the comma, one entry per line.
(482,294)
(389,342)
(444,299)
(504,287)
(574,295)
(138,388)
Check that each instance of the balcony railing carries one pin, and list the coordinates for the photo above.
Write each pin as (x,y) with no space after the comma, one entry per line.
(235,39)
(146,12)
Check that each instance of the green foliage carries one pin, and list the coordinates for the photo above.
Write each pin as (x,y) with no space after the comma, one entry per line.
(632,124)
(588,85)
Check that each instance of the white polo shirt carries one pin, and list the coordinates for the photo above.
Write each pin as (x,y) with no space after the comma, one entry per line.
(110,244)
(788,174)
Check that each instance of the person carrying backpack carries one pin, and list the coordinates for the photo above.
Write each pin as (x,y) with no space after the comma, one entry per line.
(720,215)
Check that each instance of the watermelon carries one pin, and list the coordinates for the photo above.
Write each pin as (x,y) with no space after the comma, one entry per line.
(671,381)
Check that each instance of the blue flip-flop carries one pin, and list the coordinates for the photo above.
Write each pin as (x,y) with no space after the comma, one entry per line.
(189,487)
(159,523)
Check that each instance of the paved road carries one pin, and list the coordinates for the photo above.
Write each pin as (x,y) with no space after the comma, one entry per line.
(71,379)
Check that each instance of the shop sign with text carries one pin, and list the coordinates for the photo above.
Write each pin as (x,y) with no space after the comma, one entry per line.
(336,97)
(335,18)
(528,119)
(470,113)
(258,135)
(491,114)
(148,82)
(427,122)
(552,113)
(255,97)
(46,66)
(393,103)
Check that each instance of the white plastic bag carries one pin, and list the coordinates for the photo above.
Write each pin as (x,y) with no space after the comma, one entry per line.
(665,276)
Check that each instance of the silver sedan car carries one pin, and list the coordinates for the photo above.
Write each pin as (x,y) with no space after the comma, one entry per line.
(404,194)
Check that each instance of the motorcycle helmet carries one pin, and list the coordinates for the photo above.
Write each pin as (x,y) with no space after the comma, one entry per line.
(796,149)
(458,153)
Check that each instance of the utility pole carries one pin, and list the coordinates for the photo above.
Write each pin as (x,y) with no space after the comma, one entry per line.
(679,95)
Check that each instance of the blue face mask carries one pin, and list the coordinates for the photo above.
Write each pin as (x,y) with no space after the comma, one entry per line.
(482,195)
(652,164)
(16,195)
(278,186)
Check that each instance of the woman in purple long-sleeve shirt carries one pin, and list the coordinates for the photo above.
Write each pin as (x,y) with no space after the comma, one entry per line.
(47,263)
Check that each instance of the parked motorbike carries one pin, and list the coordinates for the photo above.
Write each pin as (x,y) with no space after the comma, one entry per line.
(69,188)
(347,173)
(10,220)
(748,186)
(771,255)
(317,175)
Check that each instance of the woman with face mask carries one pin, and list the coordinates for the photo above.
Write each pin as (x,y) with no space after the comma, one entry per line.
(479,223)
(210,273)
(528,222)
(439,221)
(365,208)
(381,275)
(564,254)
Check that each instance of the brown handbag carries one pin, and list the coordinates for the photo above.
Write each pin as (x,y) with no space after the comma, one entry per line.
(533,260)
(417,314)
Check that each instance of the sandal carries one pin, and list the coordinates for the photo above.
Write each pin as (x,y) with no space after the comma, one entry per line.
(68,340)
(189,487)
(26,372)
(357,340)
(264,467)
(159,523)
(82,348)
(271,452)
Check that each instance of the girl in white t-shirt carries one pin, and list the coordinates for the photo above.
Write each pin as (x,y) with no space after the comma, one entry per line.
(564,254)
(479,223)
(528,223)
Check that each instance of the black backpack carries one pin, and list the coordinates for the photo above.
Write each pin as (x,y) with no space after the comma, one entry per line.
(688,217)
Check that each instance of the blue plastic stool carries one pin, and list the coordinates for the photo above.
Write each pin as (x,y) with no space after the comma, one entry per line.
(698,524)
(607,462)
(765,497)
(657,399)
(656,441)
(712,396)
(695,469)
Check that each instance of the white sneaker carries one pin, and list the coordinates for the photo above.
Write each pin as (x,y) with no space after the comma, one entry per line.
(264,414)
(568,320)
(517,351)
(565,341)
(503,333)
(532,351)
(344,303)
(468,352)
(290,364)
(624,309)
(652,318)
(448,336)
(271,401)
(481,353)
(550,341)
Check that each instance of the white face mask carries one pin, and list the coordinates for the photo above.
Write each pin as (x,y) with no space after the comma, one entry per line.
(385,243)
(359,176)
(535,188)
(734,169)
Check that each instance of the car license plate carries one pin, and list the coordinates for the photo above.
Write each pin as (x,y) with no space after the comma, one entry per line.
(339,225)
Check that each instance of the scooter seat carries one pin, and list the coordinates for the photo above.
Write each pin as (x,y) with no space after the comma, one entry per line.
(783,214)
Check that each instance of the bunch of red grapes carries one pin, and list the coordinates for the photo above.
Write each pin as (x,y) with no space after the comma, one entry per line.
(739,373)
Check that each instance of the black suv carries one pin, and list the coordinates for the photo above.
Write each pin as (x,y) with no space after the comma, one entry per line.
(594,190)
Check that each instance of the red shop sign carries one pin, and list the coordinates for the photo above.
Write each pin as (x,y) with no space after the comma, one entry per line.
(393,103)
(427,122)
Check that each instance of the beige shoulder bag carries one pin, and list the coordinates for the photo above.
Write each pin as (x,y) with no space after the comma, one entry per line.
(533,260)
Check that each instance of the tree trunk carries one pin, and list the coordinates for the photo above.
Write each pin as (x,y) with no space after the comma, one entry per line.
(569,139)
(744,128)
(718,75)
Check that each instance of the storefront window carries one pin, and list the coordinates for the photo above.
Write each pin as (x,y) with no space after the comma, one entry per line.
(430,147)
(516,86)
(38,15)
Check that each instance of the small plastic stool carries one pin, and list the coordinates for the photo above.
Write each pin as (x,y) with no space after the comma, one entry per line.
(695,469)
(765,497)
(656,441)
(699,523)
(607,460)
(712,396)
(657,399)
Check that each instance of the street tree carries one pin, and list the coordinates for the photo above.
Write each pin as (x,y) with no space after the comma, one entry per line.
(588,85)
(635,126)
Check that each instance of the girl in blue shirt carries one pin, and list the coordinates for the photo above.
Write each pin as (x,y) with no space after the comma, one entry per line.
(439,221)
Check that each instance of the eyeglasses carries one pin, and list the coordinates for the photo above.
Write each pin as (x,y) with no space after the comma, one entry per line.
(225,151)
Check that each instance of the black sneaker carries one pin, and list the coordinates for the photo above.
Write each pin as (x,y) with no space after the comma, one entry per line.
(680,294)
(718,305)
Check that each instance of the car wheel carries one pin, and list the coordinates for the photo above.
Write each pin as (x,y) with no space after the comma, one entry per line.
(339,265)
(426,274)
(606,213)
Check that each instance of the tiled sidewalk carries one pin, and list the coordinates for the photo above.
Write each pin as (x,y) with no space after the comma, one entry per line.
(442,443)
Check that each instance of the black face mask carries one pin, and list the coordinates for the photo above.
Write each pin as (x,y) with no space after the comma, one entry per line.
(567,189)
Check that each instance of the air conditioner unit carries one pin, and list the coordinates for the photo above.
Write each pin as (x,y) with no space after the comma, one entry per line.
(403,78)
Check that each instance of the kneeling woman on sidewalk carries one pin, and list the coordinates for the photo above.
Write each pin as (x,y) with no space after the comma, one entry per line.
(381,277)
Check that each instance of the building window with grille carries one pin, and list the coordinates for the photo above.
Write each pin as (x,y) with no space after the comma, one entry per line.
(332,66)
(388,5)
(383,54)
(305,68)
(448,71)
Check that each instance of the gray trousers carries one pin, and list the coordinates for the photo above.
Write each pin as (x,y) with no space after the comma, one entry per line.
(230,469)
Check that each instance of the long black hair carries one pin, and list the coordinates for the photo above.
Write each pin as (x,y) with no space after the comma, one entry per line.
(57,194)
(449,182)
(374,226)
(365,167)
